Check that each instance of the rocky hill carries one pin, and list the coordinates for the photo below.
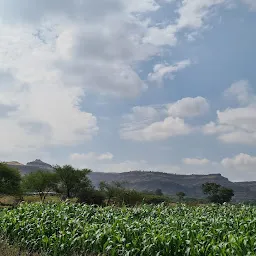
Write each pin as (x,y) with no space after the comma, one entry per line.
(173,183)
(169,183)
(30,167)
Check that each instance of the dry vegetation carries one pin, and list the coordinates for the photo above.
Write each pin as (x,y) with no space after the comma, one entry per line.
(8,250)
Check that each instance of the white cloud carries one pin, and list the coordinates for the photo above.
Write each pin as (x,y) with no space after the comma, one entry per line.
(51,56)
(147,123)
(141,6)
(34,12)
(54,53)
(192,14)
(162,71)
(162,130)
(241,118)
(42,116)
(189,107)
(212,128)
(236,125)
(239,137)
(91,157)
(251,4)
(240,162)
(140,117)
(195,161)
(109,71)
(161,36)
(241,91)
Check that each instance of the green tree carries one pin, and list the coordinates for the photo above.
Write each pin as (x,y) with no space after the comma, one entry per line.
(225,194)
(115,192)
(216,193)
(159,192)
(41,182)
(71,180)
(181,196)
(111,191)
(10,180)
(91,196)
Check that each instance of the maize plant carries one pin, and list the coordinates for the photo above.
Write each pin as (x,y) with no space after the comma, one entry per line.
(72,229)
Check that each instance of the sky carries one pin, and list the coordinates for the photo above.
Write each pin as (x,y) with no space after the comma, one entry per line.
(122,85)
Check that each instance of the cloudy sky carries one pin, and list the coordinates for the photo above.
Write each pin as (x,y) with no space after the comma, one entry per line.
(120,85)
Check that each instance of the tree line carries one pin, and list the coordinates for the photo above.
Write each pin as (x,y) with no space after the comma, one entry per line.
(69,182)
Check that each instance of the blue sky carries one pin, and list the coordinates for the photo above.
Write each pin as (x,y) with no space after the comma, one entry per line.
(120,85)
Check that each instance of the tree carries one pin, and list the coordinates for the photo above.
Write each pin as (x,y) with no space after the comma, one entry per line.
(10,180)
(41,182)
(210,188)
(159,192)
(216,193)
(118,194)
(91,196)
(225,194)
(111,191)
(71,180)
(180,195)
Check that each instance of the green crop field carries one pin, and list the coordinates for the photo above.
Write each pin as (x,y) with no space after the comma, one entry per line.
(72,229)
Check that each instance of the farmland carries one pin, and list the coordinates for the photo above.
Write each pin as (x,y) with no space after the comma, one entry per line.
(73,229)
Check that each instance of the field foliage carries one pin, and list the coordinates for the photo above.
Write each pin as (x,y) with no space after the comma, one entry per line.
(73,229)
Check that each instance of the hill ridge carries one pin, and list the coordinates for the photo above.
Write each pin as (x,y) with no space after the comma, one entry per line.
(169,183)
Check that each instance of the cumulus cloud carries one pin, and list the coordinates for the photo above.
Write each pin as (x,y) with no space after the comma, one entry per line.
(41,116)
(236,125)
(30,11)
(140,117)
(163,71)
(241,92)
(150,123)
(240,162)
(213,128)
(53,53)
(189,107)
(192,14)
(161,36)
(195,161)
(162,130)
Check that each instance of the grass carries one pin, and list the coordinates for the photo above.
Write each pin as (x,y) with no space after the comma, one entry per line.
(8,250)
(11,200)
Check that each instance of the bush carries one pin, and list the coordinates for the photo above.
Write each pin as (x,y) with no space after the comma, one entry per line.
(91,196)
(154,199)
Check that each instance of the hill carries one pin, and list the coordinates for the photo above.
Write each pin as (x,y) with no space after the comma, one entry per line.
(150,181)
(30,166)
(173,183)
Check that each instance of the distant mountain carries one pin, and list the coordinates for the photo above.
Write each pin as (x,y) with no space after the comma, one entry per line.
(40,164)
(31,166)
(173,183)
(169,183)
(248,184)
